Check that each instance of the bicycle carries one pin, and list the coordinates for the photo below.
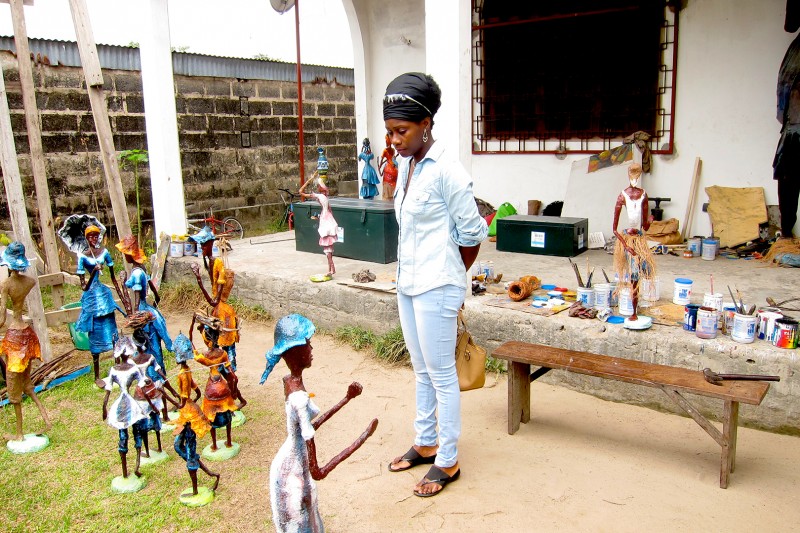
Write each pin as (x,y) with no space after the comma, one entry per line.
(228,227)
(288,213)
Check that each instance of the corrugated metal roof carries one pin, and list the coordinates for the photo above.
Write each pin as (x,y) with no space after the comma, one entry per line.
(187,64)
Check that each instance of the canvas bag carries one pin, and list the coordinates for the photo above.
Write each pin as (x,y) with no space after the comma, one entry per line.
(470,359)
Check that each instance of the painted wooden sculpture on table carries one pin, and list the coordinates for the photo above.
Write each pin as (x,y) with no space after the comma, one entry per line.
(83,235)
(293,492)
(222,387)
(633,260)
(126,412)
(222,278)
(387,164)
(20,346)
(328,228)
(141,284)
(191,424)
(369,177)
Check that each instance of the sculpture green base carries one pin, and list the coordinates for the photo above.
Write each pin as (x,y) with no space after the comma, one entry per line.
(155,458)
(222,453)
(132,483)
(166,427)
(203,497)
(30,443)
(319,278)
(238,419)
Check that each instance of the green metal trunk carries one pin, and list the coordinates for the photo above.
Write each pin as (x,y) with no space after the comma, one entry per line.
(559,236)
(367,229)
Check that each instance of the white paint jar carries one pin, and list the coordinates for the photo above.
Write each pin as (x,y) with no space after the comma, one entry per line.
(586,297)
(706,327)
(625,302)
(602,296)
(710,247)
(682,294)
(176,248)
(744,328)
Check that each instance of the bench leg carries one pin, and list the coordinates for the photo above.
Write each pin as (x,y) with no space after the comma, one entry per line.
(730,426)
(519,395)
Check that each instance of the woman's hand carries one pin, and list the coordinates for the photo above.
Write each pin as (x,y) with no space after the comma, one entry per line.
(354,390)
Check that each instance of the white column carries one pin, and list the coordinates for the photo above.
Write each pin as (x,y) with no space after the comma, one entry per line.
(448,26)
(161,119)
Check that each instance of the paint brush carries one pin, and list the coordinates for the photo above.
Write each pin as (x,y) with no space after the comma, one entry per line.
(577,273)
(712,283)
(589,280)
(736,305)
(741,303)
(605,275)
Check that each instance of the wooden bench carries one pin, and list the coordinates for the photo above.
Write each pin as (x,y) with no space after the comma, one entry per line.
(673,381)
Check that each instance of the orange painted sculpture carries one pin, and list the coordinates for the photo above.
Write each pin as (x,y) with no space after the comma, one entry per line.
(295,467)
(20,346)
(387,164)
(633,260)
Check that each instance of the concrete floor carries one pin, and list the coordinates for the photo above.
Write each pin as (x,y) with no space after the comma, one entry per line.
(272,274)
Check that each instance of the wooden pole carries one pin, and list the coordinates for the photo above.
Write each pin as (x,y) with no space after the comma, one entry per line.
(52,264)
(94,85)
(687,219)
(19,214)
(299,95)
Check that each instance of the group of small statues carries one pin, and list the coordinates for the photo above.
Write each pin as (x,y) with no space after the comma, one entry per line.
(387,167)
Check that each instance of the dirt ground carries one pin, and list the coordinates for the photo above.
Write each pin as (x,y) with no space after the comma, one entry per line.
(581,464)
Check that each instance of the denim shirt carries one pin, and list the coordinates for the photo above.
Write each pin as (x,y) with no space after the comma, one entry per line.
(436,216)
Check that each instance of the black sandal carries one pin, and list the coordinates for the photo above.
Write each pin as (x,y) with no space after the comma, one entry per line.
(438,476)
(413,458)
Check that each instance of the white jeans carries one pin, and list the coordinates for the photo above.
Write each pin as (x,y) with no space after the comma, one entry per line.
(429,323)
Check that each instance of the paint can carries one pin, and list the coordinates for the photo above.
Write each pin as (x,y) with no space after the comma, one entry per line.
(189,248)
(710,247)
(586,297)
(714,301)
(176,248)
(706,323)
(650,291)
(694,245)
(766,324)
(614,294)
(785,335)
(602,296)
(690,317)
(683,291)
(744,328)
(728,311)
(625,302)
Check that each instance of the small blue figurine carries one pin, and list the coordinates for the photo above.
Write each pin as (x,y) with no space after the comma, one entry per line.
(369,176)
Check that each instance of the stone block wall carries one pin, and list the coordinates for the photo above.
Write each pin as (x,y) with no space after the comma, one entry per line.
(238,140)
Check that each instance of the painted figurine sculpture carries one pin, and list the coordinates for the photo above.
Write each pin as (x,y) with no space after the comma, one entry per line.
(328,227)
(191,424)
(222,387)
(387,164)
(369,177)
(83,234)
(126,412)
(294,469)
(140,284)
(20,346)
(633,260)
(222,279)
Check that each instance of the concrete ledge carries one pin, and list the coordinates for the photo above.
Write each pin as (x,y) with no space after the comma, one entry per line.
(270,273)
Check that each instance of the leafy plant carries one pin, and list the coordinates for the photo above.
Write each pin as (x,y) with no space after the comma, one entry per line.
(356,336)
(134,158)
(391,347)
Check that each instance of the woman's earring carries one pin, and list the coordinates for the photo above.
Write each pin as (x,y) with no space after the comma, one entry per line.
(425,135)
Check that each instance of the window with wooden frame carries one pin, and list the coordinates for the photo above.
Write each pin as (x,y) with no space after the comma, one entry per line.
(573,76)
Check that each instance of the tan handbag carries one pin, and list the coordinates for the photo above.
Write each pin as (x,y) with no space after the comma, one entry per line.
(470,359)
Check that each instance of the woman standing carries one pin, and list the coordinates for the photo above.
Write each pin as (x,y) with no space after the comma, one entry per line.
(440,234)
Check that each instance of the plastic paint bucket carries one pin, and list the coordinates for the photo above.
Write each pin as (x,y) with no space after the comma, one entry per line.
(744,328)
(785,335)
(714,301)
(176,248)
(766,324)
(694,245)
(690,317)
(710,247)
(586,296)
(614,294)
(625,302)
(683,291)
(706,323)
(189,248)
(727,319)
(602,296)
(650,291)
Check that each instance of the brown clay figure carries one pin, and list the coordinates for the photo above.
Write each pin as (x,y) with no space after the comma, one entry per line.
(222,279)
(328,227)
(387,164)
(633,260)
(221,389)
(126,412)
(295,467)
(20,346)
(83,235)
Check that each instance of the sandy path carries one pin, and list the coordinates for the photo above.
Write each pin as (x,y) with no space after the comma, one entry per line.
(581,464)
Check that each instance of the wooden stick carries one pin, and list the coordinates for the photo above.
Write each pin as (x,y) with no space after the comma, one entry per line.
(687,219)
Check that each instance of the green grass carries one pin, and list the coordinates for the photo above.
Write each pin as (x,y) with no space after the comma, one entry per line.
(355,336)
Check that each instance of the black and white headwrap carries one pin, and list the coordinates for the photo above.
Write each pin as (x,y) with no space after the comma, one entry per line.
(412,96)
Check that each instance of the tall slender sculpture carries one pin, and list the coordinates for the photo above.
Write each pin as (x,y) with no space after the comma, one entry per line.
(328,228)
